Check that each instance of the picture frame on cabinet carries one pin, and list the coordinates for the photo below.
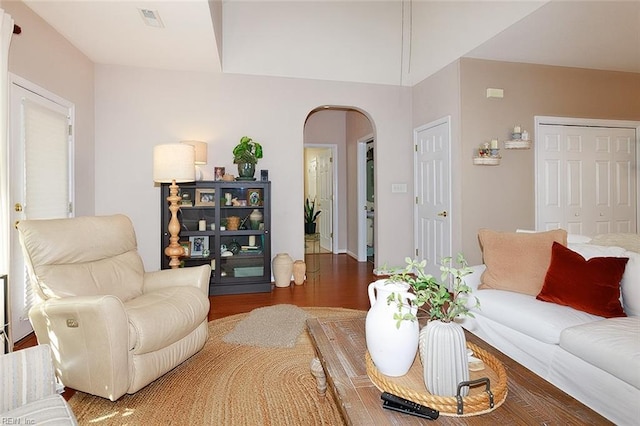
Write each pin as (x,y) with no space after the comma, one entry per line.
(198,245)
(254,197)
(218,173)
(205,197)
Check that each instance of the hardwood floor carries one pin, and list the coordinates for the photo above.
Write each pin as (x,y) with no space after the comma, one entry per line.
(340,281)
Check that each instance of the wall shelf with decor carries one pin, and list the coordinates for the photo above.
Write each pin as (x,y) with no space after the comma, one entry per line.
(226,224)
(486,161)
(517,144)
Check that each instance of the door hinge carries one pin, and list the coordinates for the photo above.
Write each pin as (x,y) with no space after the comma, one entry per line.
(70,207)
(416,252)
(415,147)
(331,159)
(417,200)
(70,129)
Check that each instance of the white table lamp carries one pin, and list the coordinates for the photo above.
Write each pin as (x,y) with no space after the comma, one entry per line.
(201,155)
(174,163)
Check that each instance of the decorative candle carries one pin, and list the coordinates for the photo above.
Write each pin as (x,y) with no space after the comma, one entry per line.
(252,240)
(202,225)
(494,143)
(516,129)
(525,135)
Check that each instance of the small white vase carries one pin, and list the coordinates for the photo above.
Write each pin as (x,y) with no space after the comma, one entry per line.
(282,266)
(443,352)
(392,349)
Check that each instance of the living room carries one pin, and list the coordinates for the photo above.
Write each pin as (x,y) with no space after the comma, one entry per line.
(123,111)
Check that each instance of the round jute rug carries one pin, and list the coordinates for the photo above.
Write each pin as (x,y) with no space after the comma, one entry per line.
(226,384)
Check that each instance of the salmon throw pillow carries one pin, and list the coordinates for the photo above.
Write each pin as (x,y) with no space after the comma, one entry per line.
(592,286)
(517,261)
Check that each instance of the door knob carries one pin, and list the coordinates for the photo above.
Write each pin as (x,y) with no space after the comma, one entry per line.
(443,214)
(18,207)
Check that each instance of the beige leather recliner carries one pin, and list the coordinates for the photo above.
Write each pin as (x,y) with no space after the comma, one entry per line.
(113,328)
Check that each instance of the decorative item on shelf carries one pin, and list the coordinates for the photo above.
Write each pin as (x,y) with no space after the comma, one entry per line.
(488,154)
(310,216)
(186,200)
(282,266)
(442,345)
(228,177)
(392,344)
(218,173)
(201,149)
(264,175)
(254,197)
(202,225)
(205,197)
(174,163)
(233,223)
(227,198)
(519,139)
(234,247)
(199,245)
(255,218)
(186,245)
(246,154)
(299,271)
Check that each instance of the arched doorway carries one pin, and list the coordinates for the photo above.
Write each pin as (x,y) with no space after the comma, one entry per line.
(333,176)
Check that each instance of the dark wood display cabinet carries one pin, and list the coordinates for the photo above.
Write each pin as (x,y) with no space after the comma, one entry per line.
(227,225)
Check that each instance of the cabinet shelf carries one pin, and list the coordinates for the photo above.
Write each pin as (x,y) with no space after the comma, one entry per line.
(244,272)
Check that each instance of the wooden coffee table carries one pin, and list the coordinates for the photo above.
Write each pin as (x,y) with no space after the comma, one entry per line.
(340,347)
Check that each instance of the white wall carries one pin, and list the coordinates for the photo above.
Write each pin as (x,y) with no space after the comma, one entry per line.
(139,108)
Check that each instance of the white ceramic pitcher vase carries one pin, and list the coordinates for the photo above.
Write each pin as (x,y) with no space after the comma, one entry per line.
(392,349)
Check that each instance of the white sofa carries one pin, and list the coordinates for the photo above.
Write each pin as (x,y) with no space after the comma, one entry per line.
(594,359)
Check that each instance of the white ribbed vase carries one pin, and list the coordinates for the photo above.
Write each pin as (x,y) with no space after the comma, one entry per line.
(392,349)
(443,352)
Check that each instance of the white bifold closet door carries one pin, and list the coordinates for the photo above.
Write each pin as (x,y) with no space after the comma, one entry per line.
(586,179)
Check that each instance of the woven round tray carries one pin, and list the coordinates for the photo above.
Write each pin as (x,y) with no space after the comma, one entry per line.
(411,386)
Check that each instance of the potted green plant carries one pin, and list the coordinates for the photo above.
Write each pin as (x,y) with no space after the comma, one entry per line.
(246,155)
(310,216)
(442,344)
(433,297)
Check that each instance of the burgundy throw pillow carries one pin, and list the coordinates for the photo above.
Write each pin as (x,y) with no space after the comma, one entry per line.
(591,286)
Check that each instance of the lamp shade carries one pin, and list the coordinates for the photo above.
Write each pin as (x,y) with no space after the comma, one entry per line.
(173,161)
(201,150)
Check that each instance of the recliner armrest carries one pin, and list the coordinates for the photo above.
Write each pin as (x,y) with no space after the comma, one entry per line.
(89,333)
(197,276)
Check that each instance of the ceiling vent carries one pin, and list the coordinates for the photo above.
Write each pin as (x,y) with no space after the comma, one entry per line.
(151,18)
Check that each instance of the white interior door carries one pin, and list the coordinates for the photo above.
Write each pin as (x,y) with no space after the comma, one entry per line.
(325,198)
(586,179)
(433,193)
(41,163)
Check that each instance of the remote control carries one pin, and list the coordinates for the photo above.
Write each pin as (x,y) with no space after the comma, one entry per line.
(394,402)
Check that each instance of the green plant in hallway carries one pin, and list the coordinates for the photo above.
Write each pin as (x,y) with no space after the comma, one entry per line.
(310,216)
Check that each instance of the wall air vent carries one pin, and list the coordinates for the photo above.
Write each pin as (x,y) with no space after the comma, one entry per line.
(151,18)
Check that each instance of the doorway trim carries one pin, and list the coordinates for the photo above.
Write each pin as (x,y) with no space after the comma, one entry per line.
(334,189)
(540,120)
(362,196)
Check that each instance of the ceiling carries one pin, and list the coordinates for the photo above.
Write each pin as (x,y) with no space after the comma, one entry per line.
(381,41)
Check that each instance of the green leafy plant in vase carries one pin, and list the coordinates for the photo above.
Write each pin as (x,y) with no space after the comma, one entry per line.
(445,365)
(310,216)
(246,154)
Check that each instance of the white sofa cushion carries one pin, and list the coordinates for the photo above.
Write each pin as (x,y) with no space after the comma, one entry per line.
(524,313)
(611,344)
